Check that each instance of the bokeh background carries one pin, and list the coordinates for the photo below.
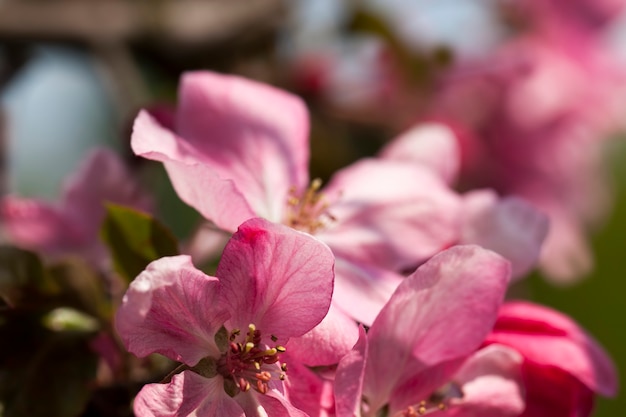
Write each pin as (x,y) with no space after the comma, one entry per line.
(73,75)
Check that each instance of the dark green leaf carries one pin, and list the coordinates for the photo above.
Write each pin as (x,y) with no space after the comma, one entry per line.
(135,239)
(22,277)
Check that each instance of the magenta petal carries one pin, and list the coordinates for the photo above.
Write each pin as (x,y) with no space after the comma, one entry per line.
(349,379)
(491,384)
(187,394)
(432,145)
(509,226)
(549,338)
(277,278)
(251,133)
(390,215)
(443,311)
(327,342)
(195,182)
(171,308)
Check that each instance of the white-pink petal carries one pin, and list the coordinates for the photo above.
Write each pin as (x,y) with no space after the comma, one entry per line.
(432,145)
(187,394)
(389,214)
(196,183)
(171,308)
(491,384)
(509,226)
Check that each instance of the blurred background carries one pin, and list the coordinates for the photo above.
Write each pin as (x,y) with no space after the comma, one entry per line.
(534,90)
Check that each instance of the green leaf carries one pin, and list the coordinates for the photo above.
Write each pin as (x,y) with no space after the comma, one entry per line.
(22,277)
(135,239)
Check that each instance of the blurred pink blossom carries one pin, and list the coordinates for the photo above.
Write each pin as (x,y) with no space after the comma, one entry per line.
(534,127)
(72,224)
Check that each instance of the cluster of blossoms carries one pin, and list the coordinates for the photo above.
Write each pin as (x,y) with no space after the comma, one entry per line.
(532,112)
(380,294)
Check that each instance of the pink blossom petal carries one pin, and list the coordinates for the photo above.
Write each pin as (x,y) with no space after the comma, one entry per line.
(327,342)
(38,226)
(419,383)
(390,215)
(187,394)
(566,256)
(349,379)
(272,404)
(491,384)
(277,278)
(195,182)
(309,391)
(101,178)
(551,392)
(549,338)
(171,308)
(361,290)
(249,132)
(509,226)
(442,312)
(432,145)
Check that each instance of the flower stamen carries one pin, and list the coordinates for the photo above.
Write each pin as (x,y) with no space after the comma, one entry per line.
(308,212)
(249,363)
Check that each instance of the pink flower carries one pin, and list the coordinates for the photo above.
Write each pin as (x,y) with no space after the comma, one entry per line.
(537,128)
(272,283)
(240,150)
(563,366)
(72,224)
(426,336)
(509,226)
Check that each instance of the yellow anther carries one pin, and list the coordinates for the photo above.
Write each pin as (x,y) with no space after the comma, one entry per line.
(270,352)
(281,349)
(248,347)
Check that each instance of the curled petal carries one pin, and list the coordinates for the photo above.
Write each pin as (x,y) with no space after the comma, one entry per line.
(442,312)
(195,182)
(171,308)
(277,278)
(548,338)
(491,383)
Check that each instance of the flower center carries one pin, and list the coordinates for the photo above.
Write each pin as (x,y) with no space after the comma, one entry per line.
(249,363)
(308,212)
(438,401)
